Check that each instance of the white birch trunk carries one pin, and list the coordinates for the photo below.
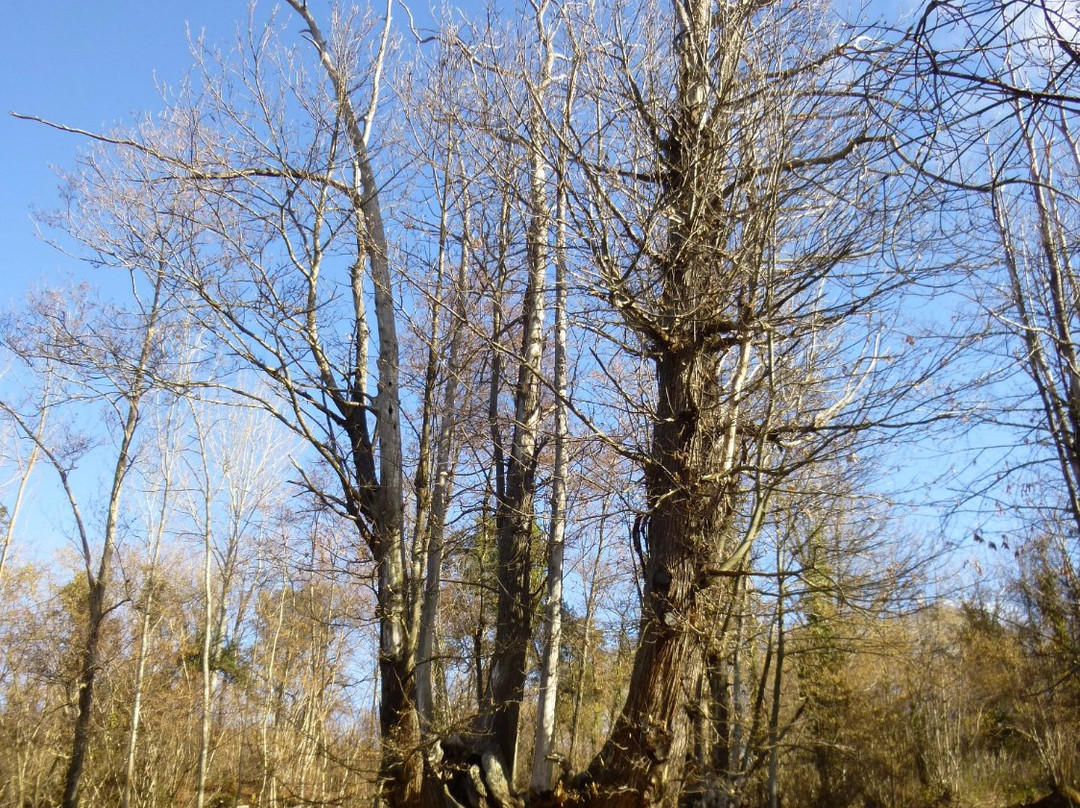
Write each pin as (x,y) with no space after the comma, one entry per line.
(543,748)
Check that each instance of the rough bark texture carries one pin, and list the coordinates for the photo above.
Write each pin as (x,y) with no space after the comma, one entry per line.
(80,743)
(514,518)
(643,760)
(688,472)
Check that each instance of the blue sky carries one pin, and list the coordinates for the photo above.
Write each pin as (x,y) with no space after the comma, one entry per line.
(88,65)
(85,64)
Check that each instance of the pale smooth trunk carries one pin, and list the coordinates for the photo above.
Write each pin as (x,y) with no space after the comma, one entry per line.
(13,514)
(543,747)
(207,676)
(426,670)
(515,514)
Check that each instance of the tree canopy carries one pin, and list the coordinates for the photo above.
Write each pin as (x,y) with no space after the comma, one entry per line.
(530,411)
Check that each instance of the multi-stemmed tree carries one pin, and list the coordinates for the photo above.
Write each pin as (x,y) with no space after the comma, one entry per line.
(715,198)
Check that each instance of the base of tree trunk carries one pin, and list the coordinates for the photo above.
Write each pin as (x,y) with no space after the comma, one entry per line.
(467,773)
(459,773)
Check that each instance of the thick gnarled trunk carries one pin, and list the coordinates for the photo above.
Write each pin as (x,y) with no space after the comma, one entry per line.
(643,760)
(688,472)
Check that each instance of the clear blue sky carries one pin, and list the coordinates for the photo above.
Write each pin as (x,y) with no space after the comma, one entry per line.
(85,63)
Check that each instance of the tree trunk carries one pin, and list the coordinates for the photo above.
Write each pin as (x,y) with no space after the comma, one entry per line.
(543,765)
(774,712)
(206,669)
(24,479)
(441,489)
(98,584)
(80,743)
(380,498)
(514,518)
(144,643)
(688,472)
(590,609)
(642,762)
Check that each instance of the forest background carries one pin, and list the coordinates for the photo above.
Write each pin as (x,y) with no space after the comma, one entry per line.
(619,404)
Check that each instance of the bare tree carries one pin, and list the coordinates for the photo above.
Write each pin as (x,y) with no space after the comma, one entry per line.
(723,234)
(24,468)
(115,364)
(163,490)
(274,217)
(543,749)
(726,200)
(514,516)
(1006,103)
